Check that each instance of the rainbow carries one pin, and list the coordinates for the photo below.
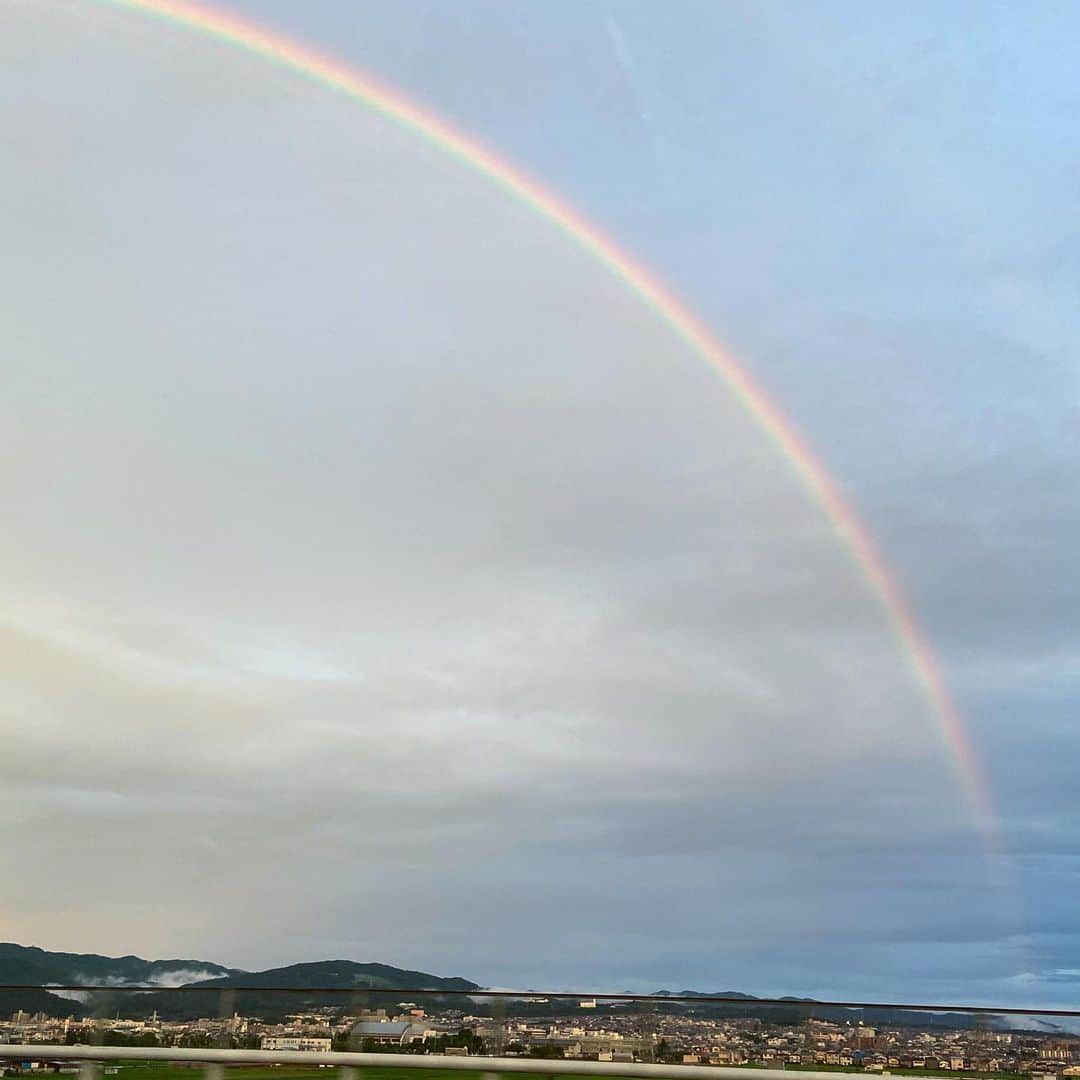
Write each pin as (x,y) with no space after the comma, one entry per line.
(372,94)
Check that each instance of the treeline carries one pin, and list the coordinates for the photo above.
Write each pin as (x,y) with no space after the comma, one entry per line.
(87,1035)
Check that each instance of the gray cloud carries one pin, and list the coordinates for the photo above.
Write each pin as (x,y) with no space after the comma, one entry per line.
(380,562)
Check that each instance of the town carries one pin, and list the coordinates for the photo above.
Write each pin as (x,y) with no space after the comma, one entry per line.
(612,1034)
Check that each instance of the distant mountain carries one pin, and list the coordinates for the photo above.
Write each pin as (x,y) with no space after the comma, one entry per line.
(795,1009)
(27,964)
(38,1001)
(211,989)
(372,984)
(343,974)
(703,993)
(21,965)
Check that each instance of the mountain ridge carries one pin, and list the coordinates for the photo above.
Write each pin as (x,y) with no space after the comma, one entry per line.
(344,974)
(373,984)
(36,969)
(32,964)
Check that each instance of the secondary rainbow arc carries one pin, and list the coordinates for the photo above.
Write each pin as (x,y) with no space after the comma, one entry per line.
(368,91)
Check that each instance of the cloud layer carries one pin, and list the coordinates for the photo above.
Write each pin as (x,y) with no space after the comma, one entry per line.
(384,572)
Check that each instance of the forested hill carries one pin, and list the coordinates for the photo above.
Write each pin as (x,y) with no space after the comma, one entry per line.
(22,966)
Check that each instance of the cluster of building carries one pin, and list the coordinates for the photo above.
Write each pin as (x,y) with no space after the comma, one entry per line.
(605,1035)
(374,1030)
(816,1043)
(312,1032)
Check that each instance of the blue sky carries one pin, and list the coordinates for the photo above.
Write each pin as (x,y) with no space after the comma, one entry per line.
(901,181)
(334,446)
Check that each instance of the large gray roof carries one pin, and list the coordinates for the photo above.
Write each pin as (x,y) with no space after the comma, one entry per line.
(366,1027)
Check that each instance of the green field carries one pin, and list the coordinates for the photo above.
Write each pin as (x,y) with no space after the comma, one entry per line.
(966,1074)
(156,1071)
(159,1071)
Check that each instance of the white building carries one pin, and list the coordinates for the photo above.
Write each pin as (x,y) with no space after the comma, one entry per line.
(295,1042)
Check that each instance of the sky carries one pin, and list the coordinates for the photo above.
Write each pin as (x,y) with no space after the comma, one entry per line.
(383,580)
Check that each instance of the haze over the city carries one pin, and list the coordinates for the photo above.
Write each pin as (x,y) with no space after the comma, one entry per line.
(383,579)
